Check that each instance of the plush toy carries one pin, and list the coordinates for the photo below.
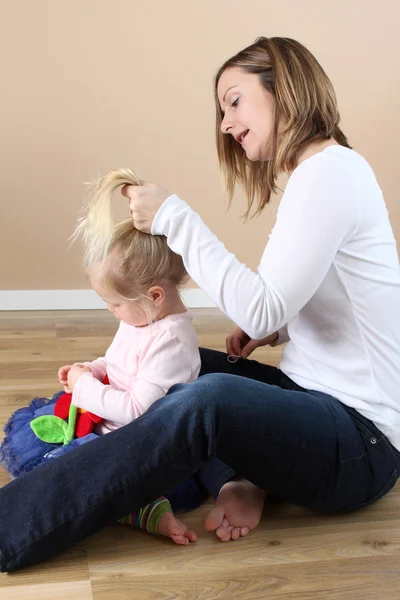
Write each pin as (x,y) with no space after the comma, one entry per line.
(85,420)
(67,423)
(37,433)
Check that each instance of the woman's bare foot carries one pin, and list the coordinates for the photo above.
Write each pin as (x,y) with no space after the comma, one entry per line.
(236,511)
(173,528)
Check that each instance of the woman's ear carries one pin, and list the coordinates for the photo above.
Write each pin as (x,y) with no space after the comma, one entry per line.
(157,295)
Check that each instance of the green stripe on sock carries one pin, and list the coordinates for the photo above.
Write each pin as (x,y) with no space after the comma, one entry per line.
(158,508)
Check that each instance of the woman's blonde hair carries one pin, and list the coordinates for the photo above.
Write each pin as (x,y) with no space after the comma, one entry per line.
(131,261)
(305,111)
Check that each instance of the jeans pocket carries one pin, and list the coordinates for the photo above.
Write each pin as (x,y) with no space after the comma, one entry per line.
(369,433)
(386,488)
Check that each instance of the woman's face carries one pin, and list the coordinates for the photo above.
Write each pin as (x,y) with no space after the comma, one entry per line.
(249,112)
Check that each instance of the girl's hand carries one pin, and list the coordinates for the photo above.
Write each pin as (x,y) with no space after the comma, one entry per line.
(144,203)
(63,374)
(75,372)
(240,344)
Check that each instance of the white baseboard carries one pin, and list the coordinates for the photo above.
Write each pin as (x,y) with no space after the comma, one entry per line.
(79,299)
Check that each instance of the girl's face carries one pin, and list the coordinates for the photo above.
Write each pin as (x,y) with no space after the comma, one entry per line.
(138,313)
(129,311)
(249,112)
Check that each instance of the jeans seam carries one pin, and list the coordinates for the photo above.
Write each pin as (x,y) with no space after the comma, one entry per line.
(367,453)
(283,443)
(296,447)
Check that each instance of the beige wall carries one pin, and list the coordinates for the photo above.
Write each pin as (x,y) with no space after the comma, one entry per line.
(90,85)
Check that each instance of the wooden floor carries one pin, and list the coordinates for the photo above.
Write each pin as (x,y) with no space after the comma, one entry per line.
(293,555)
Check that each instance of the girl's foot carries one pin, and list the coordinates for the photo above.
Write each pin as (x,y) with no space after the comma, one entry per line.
(171,527)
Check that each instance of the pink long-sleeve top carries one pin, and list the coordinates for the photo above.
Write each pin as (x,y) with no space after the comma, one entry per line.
(142,363)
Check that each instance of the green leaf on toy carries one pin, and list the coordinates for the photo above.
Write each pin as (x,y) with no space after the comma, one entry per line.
(50,429)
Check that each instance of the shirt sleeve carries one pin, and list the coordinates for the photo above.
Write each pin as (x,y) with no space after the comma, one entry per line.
(283,337)
(98,367)
(319,209)
(164,363)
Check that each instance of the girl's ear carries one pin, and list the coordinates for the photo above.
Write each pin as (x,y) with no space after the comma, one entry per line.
(157,295)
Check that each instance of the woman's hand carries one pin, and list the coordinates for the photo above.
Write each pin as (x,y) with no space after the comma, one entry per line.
(240,344)
(144,203)
(75,372)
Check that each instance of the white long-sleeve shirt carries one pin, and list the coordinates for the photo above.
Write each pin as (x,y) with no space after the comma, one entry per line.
(141,364)
(329,276)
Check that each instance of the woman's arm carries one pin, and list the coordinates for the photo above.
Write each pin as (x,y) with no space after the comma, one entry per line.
(319,210)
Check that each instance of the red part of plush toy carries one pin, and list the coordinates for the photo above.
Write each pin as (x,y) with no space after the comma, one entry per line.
(85,420)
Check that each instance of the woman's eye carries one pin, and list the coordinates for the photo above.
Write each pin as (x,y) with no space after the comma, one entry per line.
(235,102)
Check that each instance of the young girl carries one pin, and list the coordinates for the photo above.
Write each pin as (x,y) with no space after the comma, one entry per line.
(155,347)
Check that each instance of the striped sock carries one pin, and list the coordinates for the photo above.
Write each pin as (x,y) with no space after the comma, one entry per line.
(148,517)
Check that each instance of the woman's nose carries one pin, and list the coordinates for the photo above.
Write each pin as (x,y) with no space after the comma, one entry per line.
(226,125)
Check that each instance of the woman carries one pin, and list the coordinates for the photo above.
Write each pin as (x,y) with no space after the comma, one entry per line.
(323,431)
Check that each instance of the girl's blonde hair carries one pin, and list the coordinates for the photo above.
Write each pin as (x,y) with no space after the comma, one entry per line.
(305,111)
(131,261)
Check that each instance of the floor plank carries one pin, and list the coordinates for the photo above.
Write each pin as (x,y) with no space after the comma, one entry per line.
(293,555)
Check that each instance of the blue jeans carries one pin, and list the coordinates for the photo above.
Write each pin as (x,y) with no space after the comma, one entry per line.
(302,446)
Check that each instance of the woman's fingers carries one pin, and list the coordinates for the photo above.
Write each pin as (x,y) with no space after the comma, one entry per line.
(250,347)
(236,342)
(130,190)
(229,344)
